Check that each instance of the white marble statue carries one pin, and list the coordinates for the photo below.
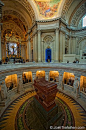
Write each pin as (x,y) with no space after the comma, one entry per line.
(20,86)
(75,84)
(3,91)
(77,89)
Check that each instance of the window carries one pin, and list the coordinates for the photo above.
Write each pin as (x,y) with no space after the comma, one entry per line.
(84,21)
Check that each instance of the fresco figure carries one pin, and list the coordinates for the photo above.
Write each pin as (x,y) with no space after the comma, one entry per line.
(47,8)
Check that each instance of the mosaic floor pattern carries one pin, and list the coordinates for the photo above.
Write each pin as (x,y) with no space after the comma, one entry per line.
(14,118)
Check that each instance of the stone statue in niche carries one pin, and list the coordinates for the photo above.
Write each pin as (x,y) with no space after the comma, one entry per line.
(61,81)
(18,85)
(76,87)
(75,84)
(3,91)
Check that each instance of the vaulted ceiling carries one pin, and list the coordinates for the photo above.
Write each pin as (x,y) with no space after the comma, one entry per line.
(20,15)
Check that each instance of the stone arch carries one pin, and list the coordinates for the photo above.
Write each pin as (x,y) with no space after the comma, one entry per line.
(27,5)
(77,14)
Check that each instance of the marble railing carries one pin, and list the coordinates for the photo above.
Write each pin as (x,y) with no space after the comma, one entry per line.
(31,64)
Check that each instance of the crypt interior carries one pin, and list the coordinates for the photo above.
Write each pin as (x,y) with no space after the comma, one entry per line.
(42,64)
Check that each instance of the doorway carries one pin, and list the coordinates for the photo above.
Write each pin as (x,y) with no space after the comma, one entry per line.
(48,55)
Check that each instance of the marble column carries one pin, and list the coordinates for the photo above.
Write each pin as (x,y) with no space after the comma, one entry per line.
(34,48)
(39,46)
(63,43)
(42,50)
(57,46)
(0,45)
(74,45)
(69,45)
(61,47)
(29,50)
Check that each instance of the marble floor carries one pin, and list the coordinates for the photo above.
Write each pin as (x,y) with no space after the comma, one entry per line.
(8,119)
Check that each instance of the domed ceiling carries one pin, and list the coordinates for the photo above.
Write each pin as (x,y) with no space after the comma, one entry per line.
(47,8)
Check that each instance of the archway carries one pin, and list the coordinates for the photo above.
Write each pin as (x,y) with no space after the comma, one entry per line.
(48,55)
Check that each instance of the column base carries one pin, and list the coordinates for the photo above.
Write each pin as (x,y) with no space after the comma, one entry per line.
(56,61)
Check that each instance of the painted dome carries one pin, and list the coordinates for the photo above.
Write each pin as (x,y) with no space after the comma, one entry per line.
(47,8)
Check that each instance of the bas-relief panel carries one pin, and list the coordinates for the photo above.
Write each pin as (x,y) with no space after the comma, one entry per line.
(47,8)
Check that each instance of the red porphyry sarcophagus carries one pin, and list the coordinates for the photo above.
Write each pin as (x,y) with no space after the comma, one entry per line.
(46,92)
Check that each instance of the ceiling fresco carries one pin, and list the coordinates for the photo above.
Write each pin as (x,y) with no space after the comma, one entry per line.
(47,8)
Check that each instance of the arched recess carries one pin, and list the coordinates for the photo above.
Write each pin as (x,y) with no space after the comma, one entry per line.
(48,45)
(7,29)
(48,55)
